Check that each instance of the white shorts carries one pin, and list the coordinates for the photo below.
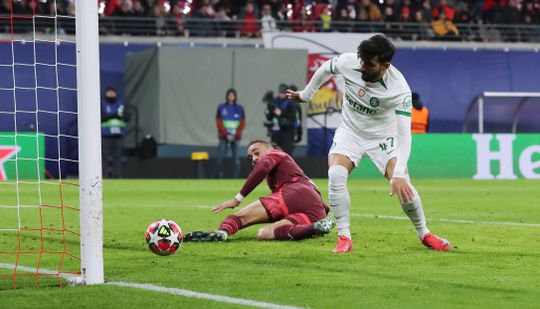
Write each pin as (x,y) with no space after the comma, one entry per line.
(379,150)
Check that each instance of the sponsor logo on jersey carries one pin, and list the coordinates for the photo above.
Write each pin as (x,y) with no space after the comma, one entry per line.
(374,102)
(407,102)
(361,92)
(359,107)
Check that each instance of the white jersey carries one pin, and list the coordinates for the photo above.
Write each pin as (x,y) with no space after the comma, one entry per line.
(369,109)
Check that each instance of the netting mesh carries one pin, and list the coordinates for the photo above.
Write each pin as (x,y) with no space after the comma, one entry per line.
(39,197)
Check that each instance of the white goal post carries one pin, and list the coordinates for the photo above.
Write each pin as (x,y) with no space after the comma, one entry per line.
(492,94)
(89,126)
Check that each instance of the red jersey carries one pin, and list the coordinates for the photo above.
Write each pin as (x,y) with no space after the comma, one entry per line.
(278,168)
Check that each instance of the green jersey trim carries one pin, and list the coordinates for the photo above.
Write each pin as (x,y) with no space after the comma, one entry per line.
(332,67)
(383,84)
(403,113)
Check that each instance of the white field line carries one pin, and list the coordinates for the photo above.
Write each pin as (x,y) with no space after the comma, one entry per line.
(42,271)
(188,293)
(428,219)
(157,288)
(449,220)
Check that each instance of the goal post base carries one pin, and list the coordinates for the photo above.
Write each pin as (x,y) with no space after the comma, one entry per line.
(76,280)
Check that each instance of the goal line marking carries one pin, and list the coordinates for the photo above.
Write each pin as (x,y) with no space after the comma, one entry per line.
(192,294)
(161,289)
(374,216)
(448,220)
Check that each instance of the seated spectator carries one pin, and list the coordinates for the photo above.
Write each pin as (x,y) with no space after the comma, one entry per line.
(124,10)
(389,3)
(343,22)
(405,15)
(443,6)
(268,23)
(223,22)
(444,28)
(531,11)
(508,13)
(140,14)
(250,26)
(426,9)
(529,31)
(389,14)
(325,19)
(123,26)
(283,17)
(138,10)
(304,21)
(466,30)
(200,25)
(422,32)
(373,12)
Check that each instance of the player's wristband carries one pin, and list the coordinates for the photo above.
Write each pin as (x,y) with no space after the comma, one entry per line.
(239,197)
(399,175)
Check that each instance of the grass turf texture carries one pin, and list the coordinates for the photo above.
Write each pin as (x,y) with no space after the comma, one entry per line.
(490,266)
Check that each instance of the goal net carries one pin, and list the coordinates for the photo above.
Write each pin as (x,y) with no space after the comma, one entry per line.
(44,144)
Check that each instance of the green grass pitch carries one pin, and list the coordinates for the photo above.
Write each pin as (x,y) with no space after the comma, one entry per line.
(492,264)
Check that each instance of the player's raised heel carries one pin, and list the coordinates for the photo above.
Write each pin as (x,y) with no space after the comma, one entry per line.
(344,245)
(325,225)
(436,243)
(206,236)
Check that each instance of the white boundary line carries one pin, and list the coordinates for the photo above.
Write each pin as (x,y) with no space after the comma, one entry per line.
(449,220)
(373,216)
(188,293)
(33,270)
(157,288)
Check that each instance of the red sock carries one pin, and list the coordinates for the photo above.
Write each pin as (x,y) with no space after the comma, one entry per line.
(231,224)
(294,231)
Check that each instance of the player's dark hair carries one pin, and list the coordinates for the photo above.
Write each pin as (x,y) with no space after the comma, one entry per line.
(376,46)
(231,90)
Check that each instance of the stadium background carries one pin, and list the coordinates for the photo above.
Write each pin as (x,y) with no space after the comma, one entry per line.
(491,224)
(493,49)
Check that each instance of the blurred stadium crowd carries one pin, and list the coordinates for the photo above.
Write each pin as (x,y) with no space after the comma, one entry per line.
(443,19)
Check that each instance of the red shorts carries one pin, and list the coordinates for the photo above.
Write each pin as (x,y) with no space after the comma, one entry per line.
(297,202)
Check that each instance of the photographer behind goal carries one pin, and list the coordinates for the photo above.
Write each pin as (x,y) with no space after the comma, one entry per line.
(281,114)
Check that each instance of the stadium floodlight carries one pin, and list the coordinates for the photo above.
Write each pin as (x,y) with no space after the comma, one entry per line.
(50,226)
(483,99)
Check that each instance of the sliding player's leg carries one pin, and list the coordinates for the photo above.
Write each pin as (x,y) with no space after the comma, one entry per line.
(296,226)
(252,214)
(301,210)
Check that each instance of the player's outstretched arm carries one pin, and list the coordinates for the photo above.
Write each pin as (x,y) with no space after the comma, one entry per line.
(320,76)
(257,175)
(404,142)
(227,204)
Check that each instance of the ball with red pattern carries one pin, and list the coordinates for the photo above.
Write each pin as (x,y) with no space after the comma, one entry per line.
(164,237)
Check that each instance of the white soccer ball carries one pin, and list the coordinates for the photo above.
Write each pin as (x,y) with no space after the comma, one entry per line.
(164,237)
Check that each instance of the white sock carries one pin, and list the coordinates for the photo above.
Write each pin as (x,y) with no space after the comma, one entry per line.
(338,194)
(415,212)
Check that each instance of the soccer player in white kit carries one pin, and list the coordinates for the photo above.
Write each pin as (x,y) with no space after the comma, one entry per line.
(375,122)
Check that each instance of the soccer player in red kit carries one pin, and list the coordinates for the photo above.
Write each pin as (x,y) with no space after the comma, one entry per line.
(295,208)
